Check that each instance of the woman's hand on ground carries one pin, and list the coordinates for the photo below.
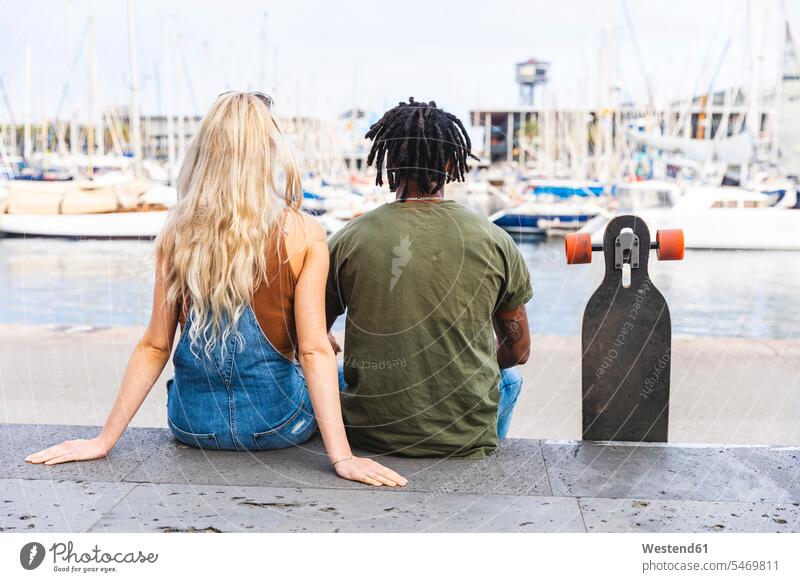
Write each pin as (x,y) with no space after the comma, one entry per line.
(368,471)
(78,450)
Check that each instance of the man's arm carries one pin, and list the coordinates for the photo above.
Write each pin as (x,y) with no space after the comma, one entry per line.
(513,336)
(334,304)
(330,319)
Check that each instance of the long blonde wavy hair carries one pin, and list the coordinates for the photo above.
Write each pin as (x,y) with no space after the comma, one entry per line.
(237,176)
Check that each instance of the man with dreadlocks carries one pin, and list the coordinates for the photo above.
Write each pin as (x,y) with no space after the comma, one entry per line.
(435,298)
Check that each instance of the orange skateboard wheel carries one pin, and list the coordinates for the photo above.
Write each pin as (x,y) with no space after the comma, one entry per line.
(578,246)
(670,245)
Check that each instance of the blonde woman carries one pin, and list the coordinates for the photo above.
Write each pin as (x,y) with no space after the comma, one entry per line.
(243,272)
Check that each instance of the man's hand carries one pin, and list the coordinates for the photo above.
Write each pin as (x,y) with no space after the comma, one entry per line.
(79,450)
(334,344)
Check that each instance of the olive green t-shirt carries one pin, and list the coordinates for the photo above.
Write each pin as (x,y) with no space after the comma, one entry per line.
(420,283)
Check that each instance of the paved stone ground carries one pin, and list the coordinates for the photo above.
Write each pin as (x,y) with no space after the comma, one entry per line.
(150,483)
(724,390)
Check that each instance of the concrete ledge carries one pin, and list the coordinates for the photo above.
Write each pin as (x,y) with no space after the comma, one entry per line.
(730,390)
(152,483)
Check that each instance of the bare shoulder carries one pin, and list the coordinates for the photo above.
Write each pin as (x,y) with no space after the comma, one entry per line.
(312,228)
(303,232)
(302,229)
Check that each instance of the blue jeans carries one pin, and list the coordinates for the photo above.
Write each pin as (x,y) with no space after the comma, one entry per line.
(510,387)
(248,397)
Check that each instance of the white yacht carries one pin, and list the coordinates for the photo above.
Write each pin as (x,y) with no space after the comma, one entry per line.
(110,208)
(143,225)
(712,217)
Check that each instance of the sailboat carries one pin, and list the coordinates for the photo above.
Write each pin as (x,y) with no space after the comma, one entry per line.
(113,205)
(123,208)
(756,214)
(551,207)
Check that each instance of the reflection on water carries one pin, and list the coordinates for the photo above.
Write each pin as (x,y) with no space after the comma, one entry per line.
(720,293)
(100,283)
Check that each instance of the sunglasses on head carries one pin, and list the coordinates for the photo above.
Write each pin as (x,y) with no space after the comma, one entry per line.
(263,97)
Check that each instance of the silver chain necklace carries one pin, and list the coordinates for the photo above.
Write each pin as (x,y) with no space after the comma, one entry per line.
(420,198)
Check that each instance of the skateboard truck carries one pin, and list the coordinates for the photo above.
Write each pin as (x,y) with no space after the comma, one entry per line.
(626,250)
(669,246)
(626,335)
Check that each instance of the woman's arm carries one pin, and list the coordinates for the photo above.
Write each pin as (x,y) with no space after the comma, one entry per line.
(144,367)
(319,364)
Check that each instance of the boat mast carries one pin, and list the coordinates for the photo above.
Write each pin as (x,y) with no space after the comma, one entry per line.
(89,123)
(11,118)
(787,113)
(27,130)
(262,70)
(754,97)
(97,117)
(167,78)
(180,100)
(608,140)
(135,115)
(43,126)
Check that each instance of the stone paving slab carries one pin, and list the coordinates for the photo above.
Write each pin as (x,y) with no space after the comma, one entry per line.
(56,506)
(746,474)
(516,468)
(774,467)
(150,482)
(669,516)
(177,507)
(17,441)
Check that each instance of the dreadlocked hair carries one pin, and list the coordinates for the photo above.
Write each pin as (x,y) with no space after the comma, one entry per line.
(419,141)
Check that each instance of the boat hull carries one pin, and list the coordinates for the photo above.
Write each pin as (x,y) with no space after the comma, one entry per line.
(540,223)
(114,225)
(722,228)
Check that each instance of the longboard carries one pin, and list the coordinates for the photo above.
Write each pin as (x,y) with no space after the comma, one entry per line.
(626,335)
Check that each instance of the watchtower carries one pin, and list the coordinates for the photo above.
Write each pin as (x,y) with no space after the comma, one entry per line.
(530,74)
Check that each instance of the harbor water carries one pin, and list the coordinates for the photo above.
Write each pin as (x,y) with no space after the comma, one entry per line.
(751,294)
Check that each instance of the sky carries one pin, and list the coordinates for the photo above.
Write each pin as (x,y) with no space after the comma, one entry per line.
(322,58)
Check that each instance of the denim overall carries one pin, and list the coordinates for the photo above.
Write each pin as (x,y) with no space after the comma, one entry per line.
(252,397)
